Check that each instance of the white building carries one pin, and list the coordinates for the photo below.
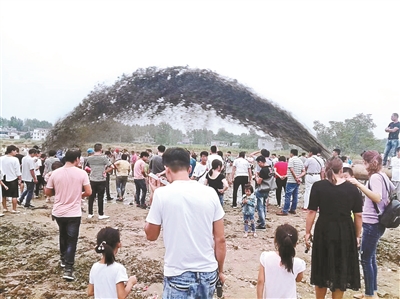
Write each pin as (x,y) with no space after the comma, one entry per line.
(39,134)
(269,144)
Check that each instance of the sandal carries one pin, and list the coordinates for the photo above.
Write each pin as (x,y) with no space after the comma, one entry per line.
(359,296)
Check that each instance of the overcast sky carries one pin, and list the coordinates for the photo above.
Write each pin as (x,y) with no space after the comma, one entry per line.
(320,60)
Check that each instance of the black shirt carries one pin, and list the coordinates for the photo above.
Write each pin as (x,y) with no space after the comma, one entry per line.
(394,135)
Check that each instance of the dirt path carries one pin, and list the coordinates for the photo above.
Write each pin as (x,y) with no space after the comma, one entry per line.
(29,253)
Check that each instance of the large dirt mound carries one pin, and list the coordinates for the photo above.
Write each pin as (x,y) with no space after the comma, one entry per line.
(153,92)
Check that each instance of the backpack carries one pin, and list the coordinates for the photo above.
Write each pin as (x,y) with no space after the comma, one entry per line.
(390,217)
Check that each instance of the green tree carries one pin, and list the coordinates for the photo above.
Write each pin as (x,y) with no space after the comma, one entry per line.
(16,123)
(351,136)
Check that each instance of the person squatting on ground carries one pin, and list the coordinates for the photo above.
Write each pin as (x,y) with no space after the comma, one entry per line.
(295,173)
(66,185)
(334,259)
(315,171)
(393,137)
(99,165)
(248,210)
(216,180)
(280,270)
(376,191)
(28,177)
(122,172)
(139,178)
(12,178)
(241,175)
(191,214)
(108,278)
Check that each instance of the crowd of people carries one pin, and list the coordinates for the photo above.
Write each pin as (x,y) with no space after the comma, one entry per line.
(185,200)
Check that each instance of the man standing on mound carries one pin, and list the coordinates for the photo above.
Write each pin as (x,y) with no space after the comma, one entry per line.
(66,184)
(193,231)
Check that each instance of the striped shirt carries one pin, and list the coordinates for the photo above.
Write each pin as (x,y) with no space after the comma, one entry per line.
(297,165)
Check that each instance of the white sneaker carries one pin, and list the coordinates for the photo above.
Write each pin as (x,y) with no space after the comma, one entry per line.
(245,235)
(1,215)
(101,217)
(15,212)
(90,216)
(255,235)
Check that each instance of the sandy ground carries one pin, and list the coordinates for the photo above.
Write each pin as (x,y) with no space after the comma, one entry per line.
(29,253)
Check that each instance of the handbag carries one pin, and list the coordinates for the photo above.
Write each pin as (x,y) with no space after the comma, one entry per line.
(268,185)
(390,217)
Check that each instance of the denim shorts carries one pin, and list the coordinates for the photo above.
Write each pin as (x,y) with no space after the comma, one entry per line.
(190,285)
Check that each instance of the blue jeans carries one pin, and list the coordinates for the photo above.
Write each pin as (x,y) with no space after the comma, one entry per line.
(261,200)
(370,237)
(69,232)
(140,185)
(190,285)
(221,199)
(120,183)
(391,145)
(291,189)
(246,220)
(28,193)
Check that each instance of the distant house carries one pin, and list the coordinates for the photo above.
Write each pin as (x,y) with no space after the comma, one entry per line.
(220,143)
(269,144)
(39,134)
(235,144)
(144,139)
(9,133)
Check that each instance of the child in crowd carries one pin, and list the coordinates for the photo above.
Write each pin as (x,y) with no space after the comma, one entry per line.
(280,270)
(107,277)
(248,209)
(54,166)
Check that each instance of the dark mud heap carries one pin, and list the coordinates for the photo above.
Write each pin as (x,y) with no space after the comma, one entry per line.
(153,90)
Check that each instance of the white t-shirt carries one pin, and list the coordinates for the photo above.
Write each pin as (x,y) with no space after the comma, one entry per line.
(279,283)
(395,163)
(242,167)
(105,279)
(211,158)
(186,210)
(10,168)
(28,163)
(38,163)
(200,170)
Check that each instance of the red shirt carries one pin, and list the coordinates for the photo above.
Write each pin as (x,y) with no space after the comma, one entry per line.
(281,168)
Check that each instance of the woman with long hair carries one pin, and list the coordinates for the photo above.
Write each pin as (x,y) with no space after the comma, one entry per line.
(376,192)
(334,259)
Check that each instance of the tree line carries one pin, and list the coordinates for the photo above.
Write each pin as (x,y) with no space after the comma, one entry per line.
(24,125)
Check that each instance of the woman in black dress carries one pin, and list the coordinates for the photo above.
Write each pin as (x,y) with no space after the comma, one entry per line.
(334,260)
(217,180)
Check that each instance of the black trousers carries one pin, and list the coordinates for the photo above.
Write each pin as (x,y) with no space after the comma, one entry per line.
(279,185)
(98,188)
(238,181)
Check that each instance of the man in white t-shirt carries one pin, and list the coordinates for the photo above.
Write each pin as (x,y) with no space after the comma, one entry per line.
(395,164)
(199,172)
(66,185)
(315,171)
(28,177)
(241,175)
(193,230)
(12,177)
(213,156)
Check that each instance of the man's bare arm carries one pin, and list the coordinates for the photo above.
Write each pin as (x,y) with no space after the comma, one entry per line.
(152,231)
(220,246)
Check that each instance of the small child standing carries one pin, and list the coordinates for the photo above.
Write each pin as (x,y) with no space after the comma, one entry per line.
(107,278)
(280,270)
(248,209)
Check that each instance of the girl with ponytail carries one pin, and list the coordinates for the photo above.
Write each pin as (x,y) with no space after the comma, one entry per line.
(107,278)
(280,270)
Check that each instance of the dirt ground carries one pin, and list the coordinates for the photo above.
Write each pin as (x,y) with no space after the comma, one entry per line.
(29,253)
